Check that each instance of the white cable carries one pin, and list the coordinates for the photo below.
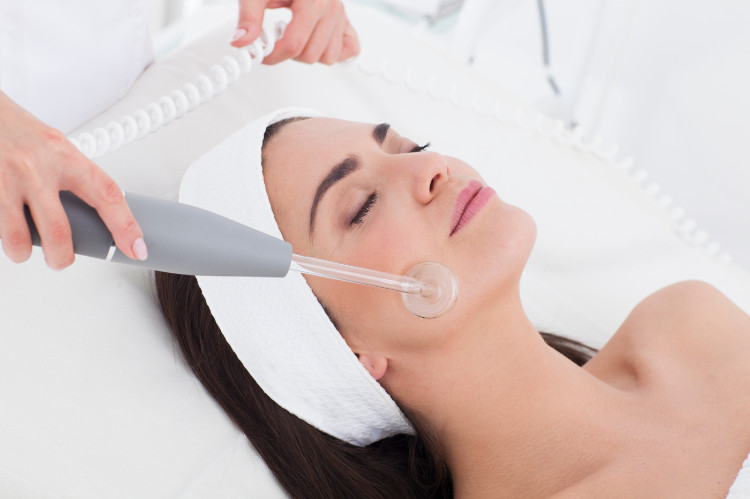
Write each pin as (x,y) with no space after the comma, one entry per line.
(179,101)
(190,95)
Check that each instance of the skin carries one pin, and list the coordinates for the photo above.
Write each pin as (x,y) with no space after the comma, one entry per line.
(661,411)
(319,31)
(37,161)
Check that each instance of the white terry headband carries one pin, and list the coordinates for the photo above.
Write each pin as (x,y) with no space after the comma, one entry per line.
(277,327)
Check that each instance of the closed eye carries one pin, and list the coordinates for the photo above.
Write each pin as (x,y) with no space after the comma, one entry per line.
(362,213)
(370,202)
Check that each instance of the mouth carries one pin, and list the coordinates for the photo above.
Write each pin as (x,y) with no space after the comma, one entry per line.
(469,202)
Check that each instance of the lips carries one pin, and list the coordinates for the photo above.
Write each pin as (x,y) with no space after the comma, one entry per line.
(469,202)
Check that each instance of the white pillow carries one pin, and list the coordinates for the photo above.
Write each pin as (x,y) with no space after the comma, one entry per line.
(97,400)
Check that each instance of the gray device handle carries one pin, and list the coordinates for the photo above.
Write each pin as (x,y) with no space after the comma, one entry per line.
(181,239)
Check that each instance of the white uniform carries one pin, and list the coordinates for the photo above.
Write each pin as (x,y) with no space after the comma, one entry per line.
(67,60)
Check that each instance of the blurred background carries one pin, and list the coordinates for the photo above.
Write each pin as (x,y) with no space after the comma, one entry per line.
(667,80)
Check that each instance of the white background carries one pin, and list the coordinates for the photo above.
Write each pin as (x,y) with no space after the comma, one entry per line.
(667,80)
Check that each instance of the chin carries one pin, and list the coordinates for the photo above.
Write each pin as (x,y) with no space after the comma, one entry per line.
(498,254)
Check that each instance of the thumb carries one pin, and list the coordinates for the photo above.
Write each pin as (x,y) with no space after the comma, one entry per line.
(250,22)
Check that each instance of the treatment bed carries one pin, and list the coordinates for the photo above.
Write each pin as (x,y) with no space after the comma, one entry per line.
(96,400)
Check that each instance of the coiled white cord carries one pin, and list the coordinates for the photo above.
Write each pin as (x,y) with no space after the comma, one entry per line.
(687,228)
(181,100)
(191,95)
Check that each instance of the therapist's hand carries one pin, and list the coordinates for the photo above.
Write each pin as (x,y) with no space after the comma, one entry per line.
(319,31)
(36,163)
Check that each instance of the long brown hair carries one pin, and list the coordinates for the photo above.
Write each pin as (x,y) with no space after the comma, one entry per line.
(307,462)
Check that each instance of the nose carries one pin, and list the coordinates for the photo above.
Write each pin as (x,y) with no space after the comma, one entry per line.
(425,172)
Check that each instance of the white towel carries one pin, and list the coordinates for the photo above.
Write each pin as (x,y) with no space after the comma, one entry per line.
(277,327)
(740,489)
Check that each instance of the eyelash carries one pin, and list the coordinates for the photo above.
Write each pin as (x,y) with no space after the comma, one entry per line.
(362,213)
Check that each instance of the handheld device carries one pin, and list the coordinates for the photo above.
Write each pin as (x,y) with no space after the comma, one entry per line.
(184,239)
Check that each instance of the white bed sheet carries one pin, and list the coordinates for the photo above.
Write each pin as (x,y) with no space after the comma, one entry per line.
(96,400)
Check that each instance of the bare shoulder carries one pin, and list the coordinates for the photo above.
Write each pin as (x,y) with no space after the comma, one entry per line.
(693,317)
(684,303)
(689,322)
(686,350)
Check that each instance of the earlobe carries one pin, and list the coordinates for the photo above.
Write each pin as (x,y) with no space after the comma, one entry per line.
(376,366)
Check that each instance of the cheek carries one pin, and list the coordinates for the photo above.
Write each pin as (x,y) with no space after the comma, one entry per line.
(488,261)
(392,242)
(374,317)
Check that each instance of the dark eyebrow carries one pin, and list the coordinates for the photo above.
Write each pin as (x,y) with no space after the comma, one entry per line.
(338,172)
(379,132)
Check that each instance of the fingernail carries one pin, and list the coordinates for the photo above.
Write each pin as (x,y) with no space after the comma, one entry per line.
(239,34)
(55,269)
(139,249)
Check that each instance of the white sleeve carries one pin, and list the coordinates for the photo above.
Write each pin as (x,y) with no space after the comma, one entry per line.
(68,61)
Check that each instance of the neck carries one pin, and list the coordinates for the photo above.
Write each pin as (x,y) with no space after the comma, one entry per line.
(507,409)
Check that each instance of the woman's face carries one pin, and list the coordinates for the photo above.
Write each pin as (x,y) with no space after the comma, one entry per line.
(362,195)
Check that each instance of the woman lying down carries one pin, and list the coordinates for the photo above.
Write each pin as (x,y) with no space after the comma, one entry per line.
(344,393)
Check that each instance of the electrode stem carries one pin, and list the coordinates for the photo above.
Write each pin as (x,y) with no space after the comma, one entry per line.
(358,275)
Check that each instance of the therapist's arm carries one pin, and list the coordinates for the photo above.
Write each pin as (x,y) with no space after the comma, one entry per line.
(36,163)
(319,31)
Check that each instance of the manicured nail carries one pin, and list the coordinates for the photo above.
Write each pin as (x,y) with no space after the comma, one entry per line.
(139,249)
(239,34)
(55,269)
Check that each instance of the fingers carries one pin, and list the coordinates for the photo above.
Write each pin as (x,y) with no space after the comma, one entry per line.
(350,44)
(319,32)
(305,17)
(54,229)
(250,22)
(100,192)
(14,232)
(333,50)
(36,163)
(319,40)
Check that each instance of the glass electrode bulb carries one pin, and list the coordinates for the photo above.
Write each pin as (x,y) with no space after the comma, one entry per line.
(439,290)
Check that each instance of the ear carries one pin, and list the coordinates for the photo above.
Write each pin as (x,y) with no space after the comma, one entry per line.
(375,365)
